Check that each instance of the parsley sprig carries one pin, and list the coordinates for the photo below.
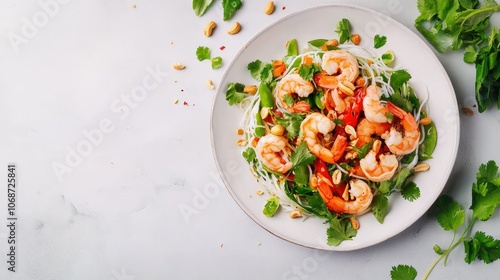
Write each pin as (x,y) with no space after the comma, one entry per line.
(451,216)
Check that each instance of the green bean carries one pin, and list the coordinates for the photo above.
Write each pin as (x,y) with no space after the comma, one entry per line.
(266,97)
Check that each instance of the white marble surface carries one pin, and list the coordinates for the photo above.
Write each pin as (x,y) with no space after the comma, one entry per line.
(106,161)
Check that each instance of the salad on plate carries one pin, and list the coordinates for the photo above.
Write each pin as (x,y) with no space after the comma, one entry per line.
(333,130)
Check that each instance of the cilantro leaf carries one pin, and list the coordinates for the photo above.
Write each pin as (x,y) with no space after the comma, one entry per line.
(380,207)
(484,206)
(202,53)
(343,30)
(271,206)
(339,230)
(229,8)
(249,154)
(398,78)
(288,99)
(301,175)
(216,62)
(410,192)
(302,156)
(234,93)
(482,247)
(450,214)
(291,122)
(307,71)
(403,272)
(487,172)
(261,71)
(379,41)
(201,6)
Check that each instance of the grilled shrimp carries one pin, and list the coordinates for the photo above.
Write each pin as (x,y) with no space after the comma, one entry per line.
(293,85)
(338,66)
(274,152)
(314,129)
(359,190)
(374,110)
(381,169)
(405,142)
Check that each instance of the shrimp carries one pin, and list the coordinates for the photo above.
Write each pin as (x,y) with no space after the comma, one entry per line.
(274,152)
(406,142)
(366,129)
(338,66)
(332,100)
(373,108)
(381,170)
(311,128)
(294,85)
(359,189)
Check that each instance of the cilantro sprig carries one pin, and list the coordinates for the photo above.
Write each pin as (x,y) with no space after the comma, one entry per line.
(204,53)
(451,25)
(229,7)
(451,216)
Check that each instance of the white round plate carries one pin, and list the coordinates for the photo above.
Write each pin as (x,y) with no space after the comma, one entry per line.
(412,54)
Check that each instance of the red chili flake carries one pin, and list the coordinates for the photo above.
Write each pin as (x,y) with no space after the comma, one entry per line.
(474,106)
(182,90)
(222,48)
(283,8)
(185,103)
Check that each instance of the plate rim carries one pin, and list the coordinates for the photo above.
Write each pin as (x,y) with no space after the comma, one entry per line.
(410,32)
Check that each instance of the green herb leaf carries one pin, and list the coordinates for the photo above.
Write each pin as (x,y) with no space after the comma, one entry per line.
(307,72)
(201,6)
(288,99)
(216,62)
(482,246)
(450,214)
(271,206)
(229,8)
(403,272)
(291,122)
(202,53)
(261,71)
(301,175)
(234,93)
(302,156)
(249,154)
(398,78)
(410,192)
(339,230)
(380,207)
(344,30)
(379,41)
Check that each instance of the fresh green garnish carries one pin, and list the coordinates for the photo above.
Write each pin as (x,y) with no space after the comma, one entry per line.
(451,216)
(201,6)
(398,78)
(403,272)
(249,154)
(202,53)
(271,206)
(307,71)
(451,25)
(262,72)
(488,72)
(344,30)
(302,156)
(379,41)
(234,93)
(291,123)
(339,230)
(216,62)
(380,207)
(229,7)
